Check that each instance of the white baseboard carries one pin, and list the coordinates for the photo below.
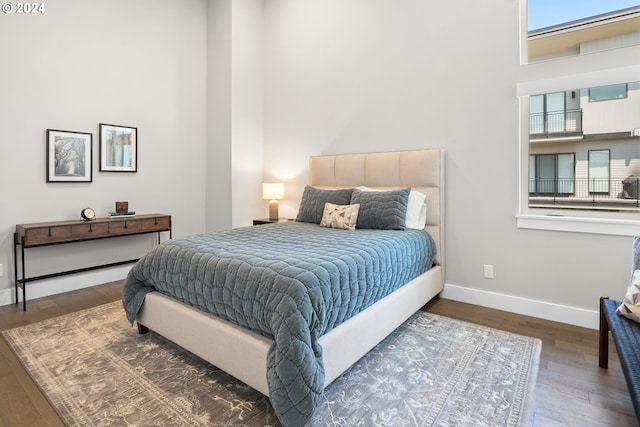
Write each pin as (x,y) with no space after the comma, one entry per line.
(48,287)
(528,307)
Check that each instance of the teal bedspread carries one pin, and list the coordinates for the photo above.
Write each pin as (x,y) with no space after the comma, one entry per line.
(292,282)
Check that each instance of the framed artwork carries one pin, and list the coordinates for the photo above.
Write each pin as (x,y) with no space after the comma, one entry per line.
(118,148)
(69,156)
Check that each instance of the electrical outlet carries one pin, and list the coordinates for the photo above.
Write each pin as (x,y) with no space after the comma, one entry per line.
(488,271)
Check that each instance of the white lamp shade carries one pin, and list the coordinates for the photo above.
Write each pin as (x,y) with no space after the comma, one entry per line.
(273,191)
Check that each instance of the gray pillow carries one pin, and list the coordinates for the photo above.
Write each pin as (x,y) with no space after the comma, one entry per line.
(385,210)
(313,200)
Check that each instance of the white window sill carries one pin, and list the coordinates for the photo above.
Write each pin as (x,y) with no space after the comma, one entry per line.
(617,227)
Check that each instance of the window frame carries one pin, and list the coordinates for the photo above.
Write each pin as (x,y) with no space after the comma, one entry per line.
(554,75)
(598,222)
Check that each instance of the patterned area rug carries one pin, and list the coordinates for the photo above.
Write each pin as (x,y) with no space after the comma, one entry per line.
(433,371)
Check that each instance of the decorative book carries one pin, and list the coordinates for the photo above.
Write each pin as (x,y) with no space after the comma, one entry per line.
(121,214)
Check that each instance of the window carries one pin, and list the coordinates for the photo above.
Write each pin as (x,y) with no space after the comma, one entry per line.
(577,162)
(551,175)
(599,171)
(557,29)
(579,130)
(547,113)
(582,167)
(604,93)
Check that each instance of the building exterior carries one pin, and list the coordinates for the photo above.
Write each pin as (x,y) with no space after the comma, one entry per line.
(584,143)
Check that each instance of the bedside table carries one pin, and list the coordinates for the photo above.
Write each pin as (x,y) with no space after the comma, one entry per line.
(269,221)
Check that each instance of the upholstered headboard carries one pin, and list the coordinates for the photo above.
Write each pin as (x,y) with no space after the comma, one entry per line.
(422,170)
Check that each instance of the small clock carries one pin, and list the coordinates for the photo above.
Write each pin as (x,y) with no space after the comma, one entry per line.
(87,214)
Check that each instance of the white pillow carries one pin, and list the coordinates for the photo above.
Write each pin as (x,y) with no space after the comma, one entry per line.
(630,307)
(416,208)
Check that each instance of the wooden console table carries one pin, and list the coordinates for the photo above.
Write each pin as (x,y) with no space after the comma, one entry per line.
(62,232)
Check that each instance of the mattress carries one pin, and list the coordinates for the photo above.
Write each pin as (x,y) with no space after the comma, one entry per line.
(291,282)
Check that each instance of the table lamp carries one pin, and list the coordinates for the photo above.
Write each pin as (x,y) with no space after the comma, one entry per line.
(273,192)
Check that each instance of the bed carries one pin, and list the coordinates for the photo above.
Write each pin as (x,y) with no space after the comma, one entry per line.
(247,353)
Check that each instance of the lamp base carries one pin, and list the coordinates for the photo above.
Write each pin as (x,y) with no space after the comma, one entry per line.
(273,209)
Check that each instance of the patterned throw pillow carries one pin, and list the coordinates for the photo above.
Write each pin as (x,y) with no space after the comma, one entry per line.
(340,216)
(635,255)
(630,307)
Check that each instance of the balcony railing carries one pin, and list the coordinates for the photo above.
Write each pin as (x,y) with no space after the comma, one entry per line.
(593,192)
(555,123)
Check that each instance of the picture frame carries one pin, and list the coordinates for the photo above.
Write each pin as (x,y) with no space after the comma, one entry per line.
(69,156)
(118,148)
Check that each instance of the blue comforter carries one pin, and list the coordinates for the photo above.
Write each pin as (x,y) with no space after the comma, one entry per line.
(292,282)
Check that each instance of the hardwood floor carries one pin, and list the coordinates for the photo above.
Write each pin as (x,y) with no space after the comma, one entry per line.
(571,390)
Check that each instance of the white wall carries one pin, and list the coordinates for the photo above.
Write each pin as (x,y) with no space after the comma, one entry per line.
(140,64)
(234,113)
(247,111)
(219,125)
(378,75)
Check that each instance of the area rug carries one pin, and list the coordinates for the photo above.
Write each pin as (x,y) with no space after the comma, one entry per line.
(96,370)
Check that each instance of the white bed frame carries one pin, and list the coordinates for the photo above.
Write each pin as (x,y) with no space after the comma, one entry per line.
(243,353)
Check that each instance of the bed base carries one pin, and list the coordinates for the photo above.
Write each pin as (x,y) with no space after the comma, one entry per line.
(243,353)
